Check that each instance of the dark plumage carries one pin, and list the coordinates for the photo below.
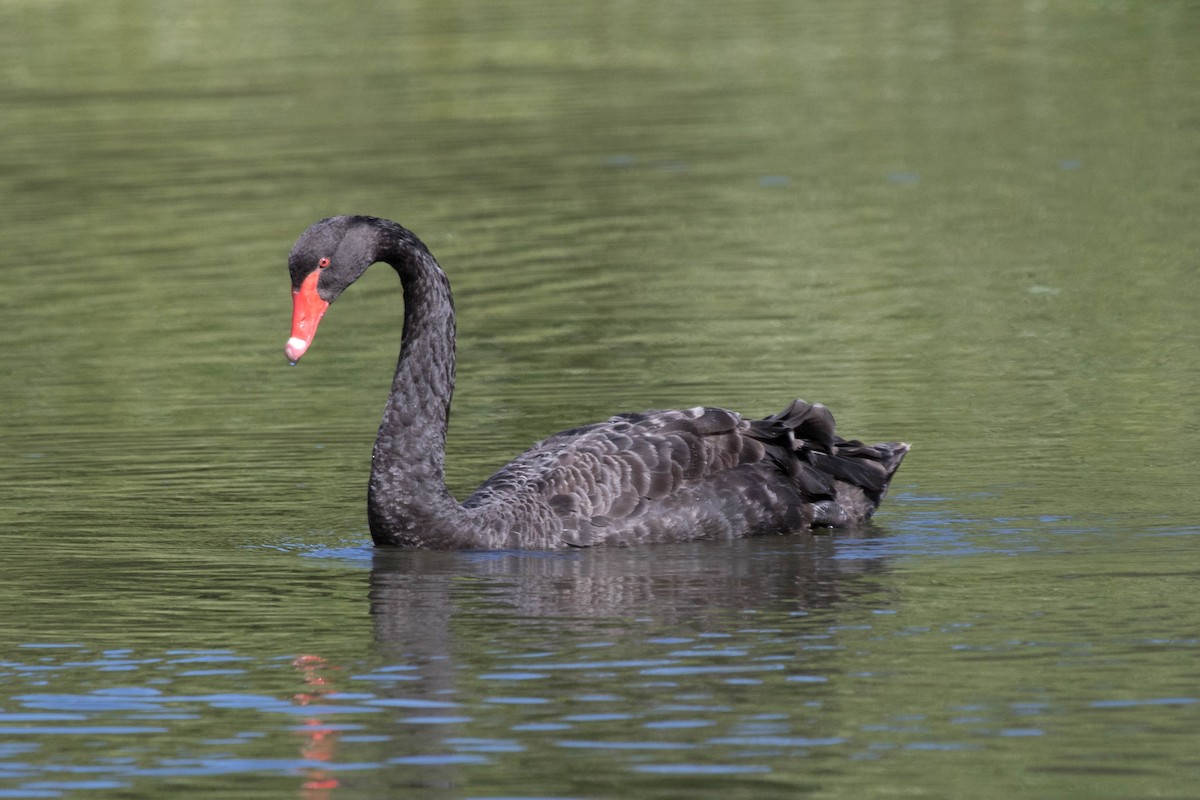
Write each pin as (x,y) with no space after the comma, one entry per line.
(656,476)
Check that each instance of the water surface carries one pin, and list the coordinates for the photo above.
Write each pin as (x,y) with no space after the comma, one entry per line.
(966,225)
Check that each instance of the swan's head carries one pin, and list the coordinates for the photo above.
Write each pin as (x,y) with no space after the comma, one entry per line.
(328,257)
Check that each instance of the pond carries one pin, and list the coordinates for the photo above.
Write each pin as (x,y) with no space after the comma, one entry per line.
(966,225)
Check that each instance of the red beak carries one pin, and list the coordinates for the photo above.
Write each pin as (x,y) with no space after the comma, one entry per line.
(307,310)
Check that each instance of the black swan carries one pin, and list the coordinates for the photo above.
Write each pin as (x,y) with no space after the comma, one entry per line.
(657,476)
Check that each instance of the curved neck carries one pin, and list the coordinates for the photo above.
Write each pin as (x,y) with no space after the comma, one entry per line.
(408,503)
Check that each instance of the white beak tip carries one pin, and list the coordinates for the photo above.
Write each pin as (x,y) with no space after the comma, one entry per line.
(295,348)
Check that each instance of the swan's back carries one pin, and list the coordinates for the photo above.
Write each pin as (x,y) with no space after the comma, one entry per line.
(699,473)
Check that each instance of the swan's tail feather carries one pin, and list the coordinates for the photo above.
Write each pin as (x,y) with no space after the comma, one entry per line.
(801,441)
(811,422)
(869,467)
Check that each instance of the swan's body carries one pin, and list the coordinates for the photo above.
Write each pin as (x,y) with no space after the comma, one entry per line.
(658,476)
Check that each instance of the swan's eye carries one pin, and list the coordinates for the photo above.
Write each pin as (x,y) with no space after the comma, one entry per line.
(324,262)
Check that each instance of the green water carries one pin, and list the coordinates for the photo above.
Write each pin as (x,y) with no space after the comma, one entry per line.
(971,226)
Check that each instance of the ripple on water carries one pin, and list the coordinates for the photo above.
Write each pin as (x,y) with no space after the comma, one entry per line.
(701,769)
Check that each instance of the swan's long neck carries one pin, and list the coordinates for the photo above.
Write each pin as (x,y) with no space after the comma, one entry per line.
(408,502)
